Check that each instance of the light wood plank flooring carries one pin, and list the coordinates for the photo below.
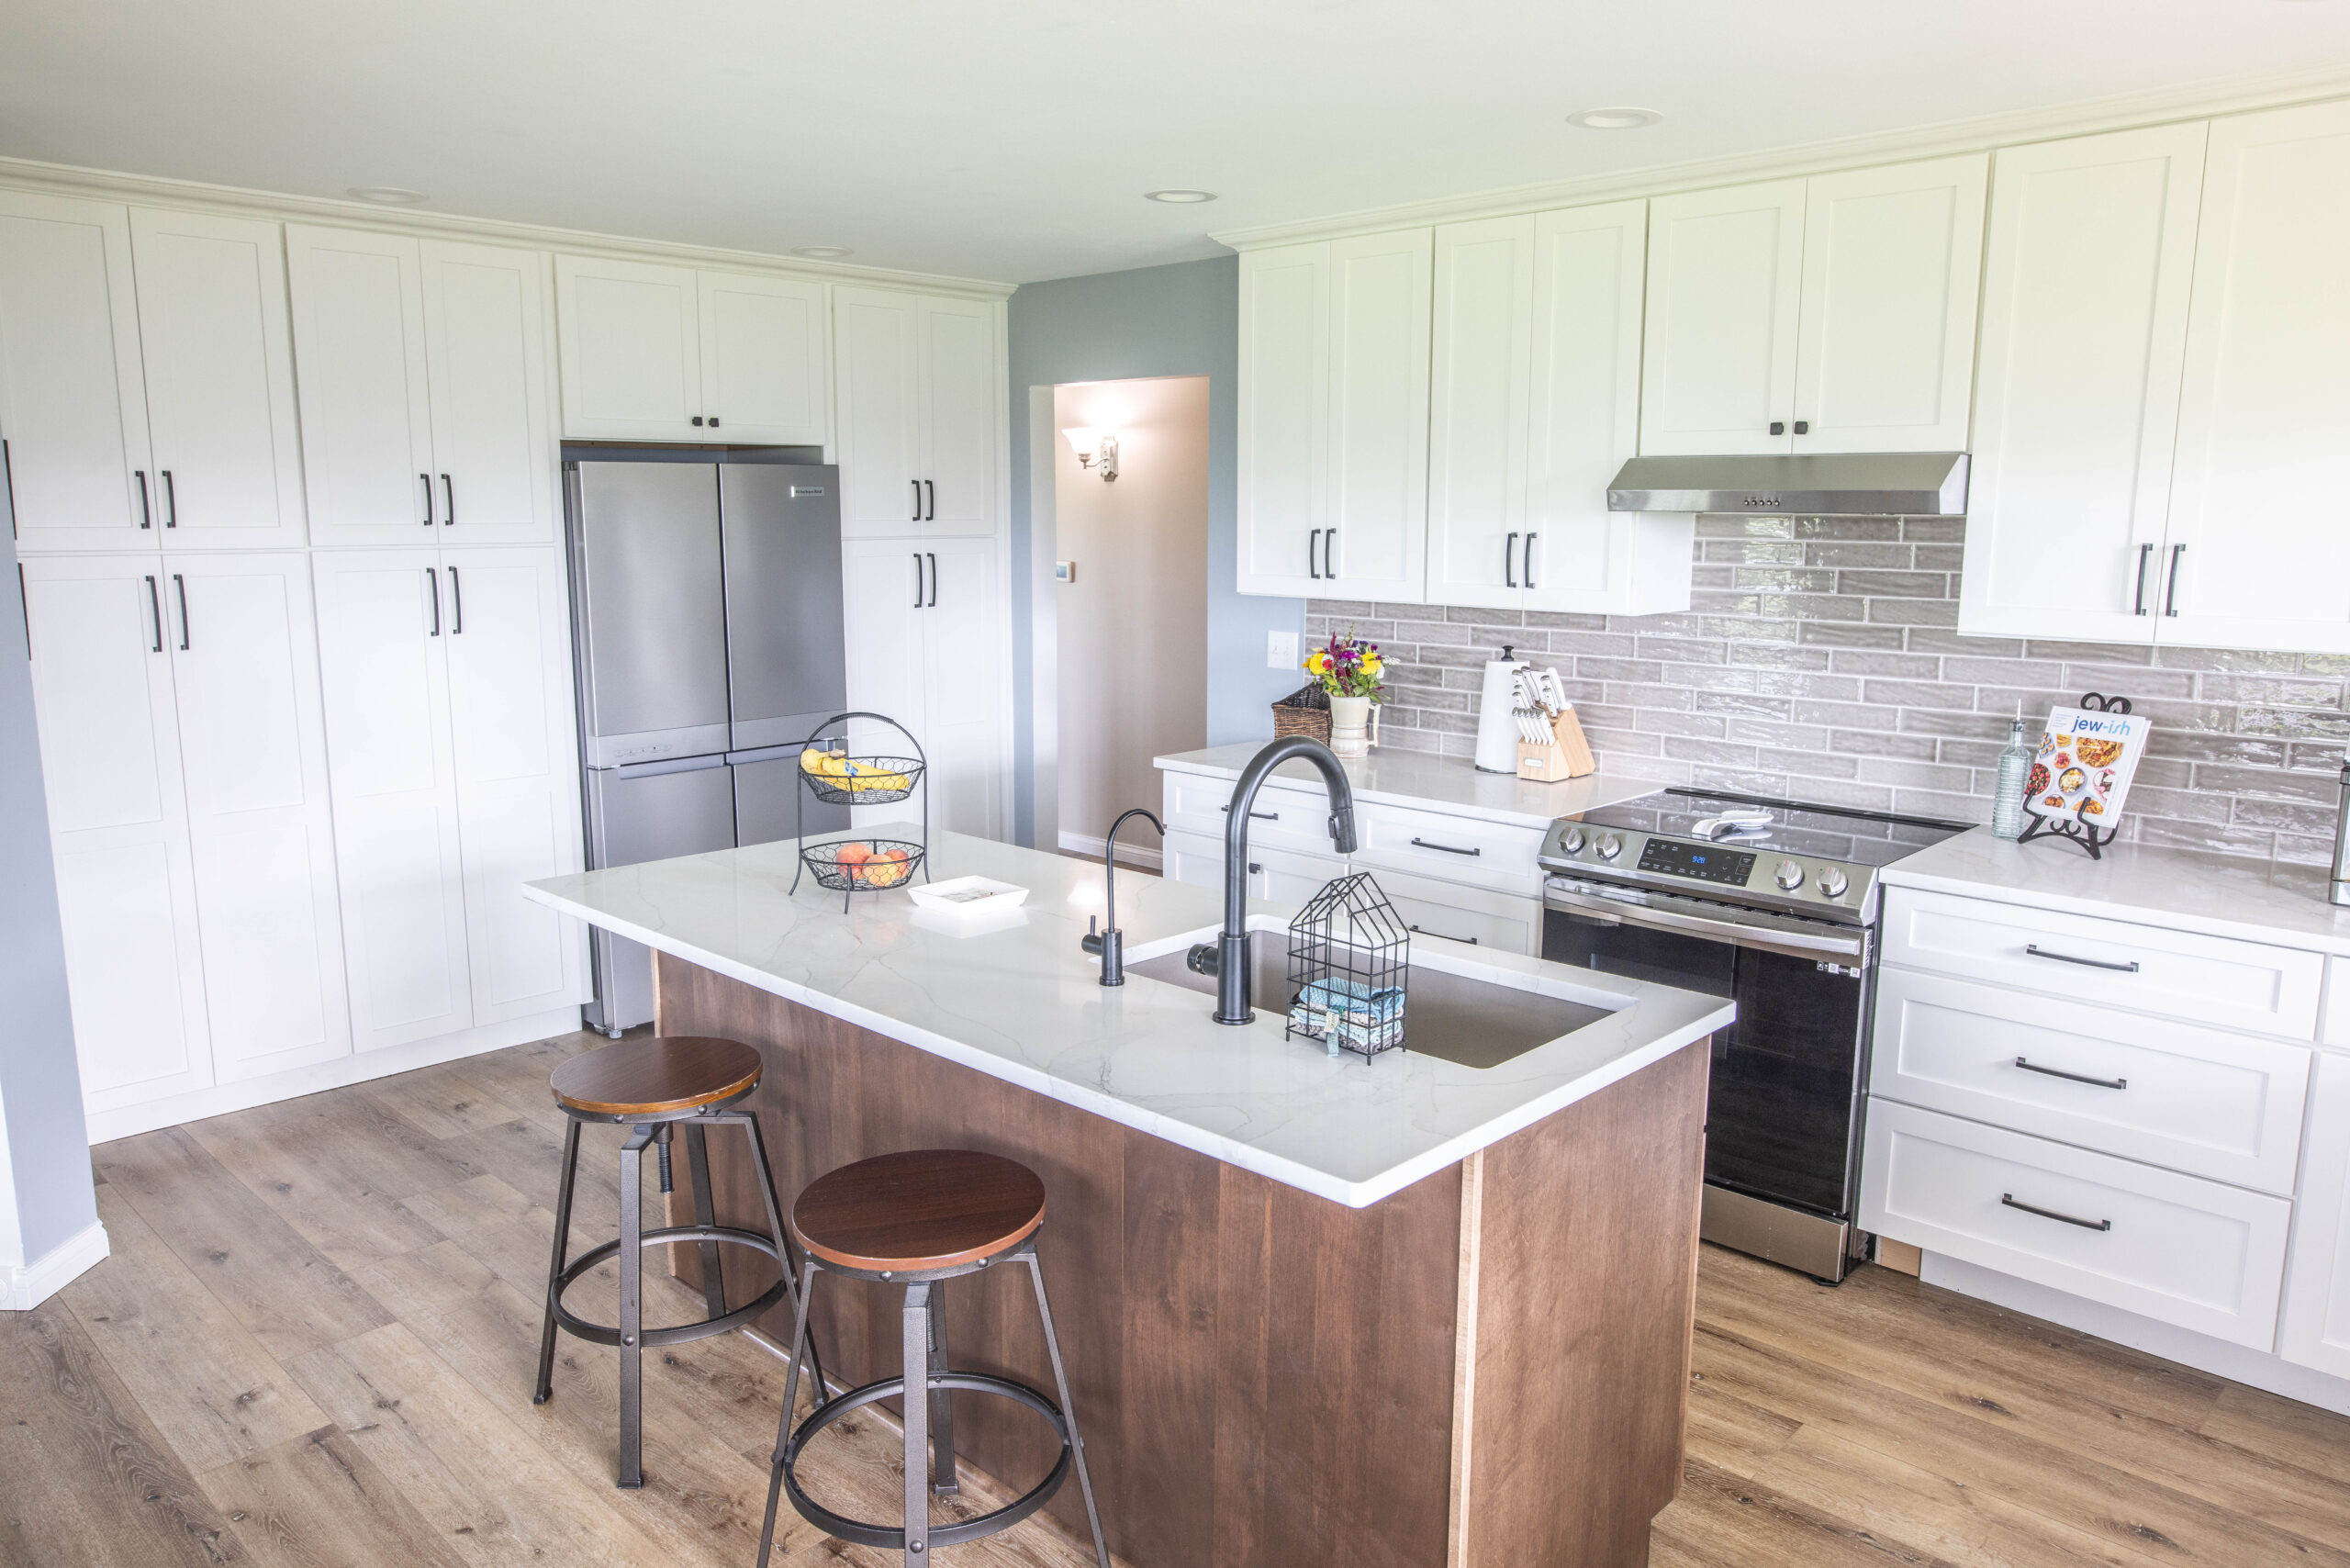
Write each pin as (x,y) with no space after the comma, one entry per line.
(313,1346)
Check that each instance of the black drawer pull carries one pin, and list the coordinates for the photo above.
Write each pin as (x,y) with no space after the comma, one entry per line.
(1447,848)
(2009,1200)
(1471,941)
(2037,951)
(1258,816)
(2073,1077)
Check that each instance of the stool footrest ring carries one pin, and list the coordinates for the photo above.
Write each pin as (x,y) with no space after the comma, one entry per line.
(893,1539)
(679,1333)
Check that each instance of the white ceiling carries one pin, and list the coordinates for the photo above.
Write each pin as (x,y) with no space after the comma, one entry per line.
(1013,140)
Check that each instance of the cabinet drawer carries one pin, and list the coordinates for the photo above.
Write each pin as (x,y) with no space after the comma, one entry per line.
(2185,1250)
(1280,818)
(2176,974)
(2227,1106)
(1472,915)
(1449,848)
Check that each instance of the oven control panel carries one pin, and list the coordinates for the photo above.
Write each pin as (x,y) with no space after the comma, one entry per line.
(1754,873)
(1707,862)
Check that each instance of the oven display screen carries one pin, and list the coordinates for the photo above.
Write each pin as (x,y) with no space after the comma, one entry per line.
(1705,862)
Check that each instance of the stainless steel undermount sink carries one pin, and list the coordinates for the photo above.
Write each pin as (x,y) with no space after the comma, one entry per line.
(1454,1017)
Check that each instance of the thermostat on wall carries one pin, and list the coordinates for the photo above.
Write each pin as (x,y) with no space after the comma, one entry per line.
(1064,571)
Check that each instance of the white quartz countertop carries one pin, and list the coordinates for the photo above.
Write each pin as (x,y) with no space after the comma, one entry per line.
(2181,889)
(1017,999)
(1442,783)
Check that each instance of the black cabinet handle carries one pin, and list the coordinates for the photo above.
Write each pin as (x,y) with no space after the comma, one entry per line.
(2029,1065)
(696,421)
(1529,558)
(2145,554)
(917,579)
(713,421)
(179,586)
(171,501)
(2009,1200)
(2170,594)
(145,519)
(449,502)
(917,517)
(2037,951)
(155,604)
(930,490)
(426,480)
(1255,869)
(456,604)
(933,582)
(1803,427)
(1312,542)
(1509,561)
(1329,537)
(1256,817)
(1778,427)
(1471,941)
(432,587)
(1447,848)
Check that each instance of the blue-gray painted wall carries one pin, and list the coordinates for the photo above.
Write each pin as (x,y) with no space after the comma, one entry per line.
(41,1083)
(1182,320)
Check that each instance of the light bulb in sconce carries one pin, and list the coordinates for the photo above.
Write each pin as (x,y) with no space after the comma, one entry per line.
(1092,445)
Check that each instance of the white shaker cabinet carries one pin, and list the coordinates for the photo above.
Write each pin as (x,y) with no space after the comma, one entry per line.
(765,359)
(1725,291)
(925,641)
(961,387)
(917,393)
(1284,426)
(2315,1328)
(72,393)
(631,341)
(219,358)
(493,409)
(1480,389)
(2090,260)
(118,826)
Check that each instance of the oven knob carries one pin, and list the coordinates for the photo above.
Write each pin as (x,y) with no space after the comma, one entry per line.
(1831,882)
(1790,875)
(1610,848)
(1572,843)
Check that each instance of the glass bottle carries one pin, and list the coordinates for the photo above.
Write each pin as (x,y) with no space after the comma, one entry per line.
(2007,804)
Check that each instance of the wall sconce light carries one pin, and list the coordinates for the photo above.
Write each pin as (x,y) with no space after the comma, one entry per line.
(1091,444)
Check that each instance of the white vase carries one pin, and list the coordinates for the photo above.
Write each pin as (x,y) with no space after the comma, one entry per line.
(1350,726)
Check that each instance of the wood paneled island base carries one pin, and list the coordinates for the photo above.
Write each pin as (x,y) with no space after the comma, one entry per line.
(1489,1367)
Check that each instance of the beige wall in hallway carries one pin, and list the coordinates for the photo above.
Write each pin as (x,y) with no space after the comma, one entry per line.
(1133,627)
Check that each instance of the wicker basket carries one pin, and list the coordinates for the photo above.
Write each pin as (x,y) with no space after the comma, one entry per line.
(1306,711)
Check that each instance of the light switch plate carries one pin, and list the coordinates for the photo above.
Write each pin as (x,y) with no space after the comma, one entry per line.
(1280,650)
(1064,571)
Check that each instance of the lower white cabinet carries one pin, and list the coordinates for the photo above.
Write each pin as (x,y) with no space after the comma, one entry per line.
(926,639)
(2315,1329)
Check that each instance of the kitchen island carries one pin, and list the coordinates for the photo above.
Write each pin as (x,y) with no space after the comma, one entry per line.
(1317,1309)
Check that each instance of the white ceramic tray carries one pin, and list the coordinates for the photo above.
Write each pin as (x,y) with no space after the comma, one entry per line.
(967,895)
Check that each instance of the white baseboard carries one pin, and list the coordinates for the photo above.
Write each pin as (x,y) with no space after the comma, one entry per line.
(1128,853)
(125,1121)
(2239,1364)
(24,1286)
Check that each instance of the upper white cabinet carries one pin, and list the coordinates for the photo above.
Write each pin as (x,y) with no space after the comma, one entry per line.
(925,645)
(654,353)
(425,413)
(918,398)
(1834,314)
(1482,375)
(1334,399)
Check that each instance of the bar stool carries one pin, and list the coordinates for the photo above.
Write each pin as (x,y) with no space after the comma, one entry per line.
(919,1219)
(655,1087)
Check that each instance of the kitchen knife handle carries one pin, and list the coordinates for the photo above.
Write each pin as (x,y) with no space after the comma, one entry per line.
(1509,561)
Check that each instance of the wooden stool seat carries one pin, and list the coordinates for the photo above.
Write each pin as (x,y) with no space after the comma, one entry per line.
(932,1208)
(650,1078)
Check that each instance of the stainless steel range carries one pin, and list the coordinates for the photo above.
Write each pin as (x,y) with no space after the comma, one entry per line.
(1774,904)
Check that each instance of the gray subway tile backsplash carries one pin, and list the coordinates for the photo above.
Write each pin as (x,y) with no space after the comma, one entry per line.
(1819,660)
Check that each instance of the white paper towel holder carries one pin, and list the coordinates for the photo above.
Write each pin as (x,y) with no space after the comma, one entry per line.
(1496,714)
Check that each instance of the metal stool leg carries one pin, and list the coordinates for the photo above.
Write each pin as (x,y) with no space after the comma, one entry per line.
(631,1262)
(943,1479)
(806,1293)
(915,1341)
(1068,1406)
(713,1281)
(786,1251)
(544,1389)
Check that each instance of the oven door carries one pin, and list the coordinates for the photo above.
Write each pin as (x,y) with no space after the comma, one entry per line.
(1781,1113)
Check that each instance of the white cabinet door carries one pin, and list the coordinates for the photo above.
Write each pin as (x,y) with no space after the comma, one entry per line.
(2089,259)
(493,420)
(72,397)
(1285,428)
(117,818)
(2315,1328)
(245,671)
(358,304)
(383,623)
(508,650)
(878,403)
(631,350)
(1584,420)
(1479,369)
(1892,259)
(961,623)
(2257,555)
(959,389)
(765,359)
(219,363)
(1376,543)
(1724,294)
(884,585)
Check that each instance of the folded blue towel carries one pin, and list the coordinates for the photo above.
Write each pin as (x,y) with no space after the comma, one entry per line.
(1356,1016)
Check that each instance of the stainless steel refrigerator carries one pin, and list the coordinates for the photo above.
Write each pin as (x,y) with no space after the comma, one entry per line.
(706,642)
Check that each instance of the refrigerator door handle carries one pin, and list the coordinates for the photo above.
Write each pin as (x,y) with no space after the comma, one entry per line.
(667,765)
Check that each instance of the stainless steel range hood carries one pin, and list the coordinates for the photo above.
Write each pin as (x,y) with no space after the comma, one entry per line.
(1833,484)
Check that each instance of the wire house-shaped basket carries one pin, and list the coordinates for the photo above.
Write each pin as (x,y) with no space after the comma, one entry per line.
(1349,966)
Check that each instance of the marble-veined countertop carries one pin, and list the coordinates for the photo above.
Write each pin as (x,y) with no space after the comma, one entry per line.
(1449,784)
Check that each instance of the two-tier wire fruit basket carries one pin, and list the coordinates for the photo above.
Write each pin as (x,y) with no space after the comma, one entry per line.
(853,866)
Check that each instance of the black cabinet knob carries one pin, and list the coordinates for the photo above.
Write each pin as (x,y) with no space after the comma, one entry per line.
(697,419)
(1803,427)
(1778,427)
(713,421)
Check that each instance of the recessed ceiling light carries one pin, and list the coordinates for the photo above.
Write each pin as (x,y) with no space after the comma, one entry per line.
(1179,198)
(388,195)
(822,252)
(1614,120)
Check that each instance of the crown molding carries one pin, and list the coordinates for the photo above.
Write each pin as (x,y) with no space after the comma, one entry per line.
(105,185)
(2121,111)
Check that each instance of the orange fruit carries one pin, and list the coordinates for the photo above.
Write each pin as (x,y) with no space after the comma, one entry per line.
(853,854)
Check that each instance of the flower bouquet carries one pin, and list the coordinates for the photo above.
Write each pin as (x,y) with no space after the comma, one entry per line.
(1353,673)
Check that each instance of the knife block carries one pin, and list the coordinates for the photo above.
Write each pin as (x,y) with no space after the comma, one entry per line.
(1567,757)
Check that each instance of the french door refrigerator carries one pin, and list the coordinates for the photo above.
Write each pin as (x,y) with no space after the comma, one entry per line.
(706,642)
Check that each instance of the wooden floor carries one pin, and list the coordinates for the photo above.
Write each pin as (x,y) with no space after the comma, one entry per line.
(314,1343)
